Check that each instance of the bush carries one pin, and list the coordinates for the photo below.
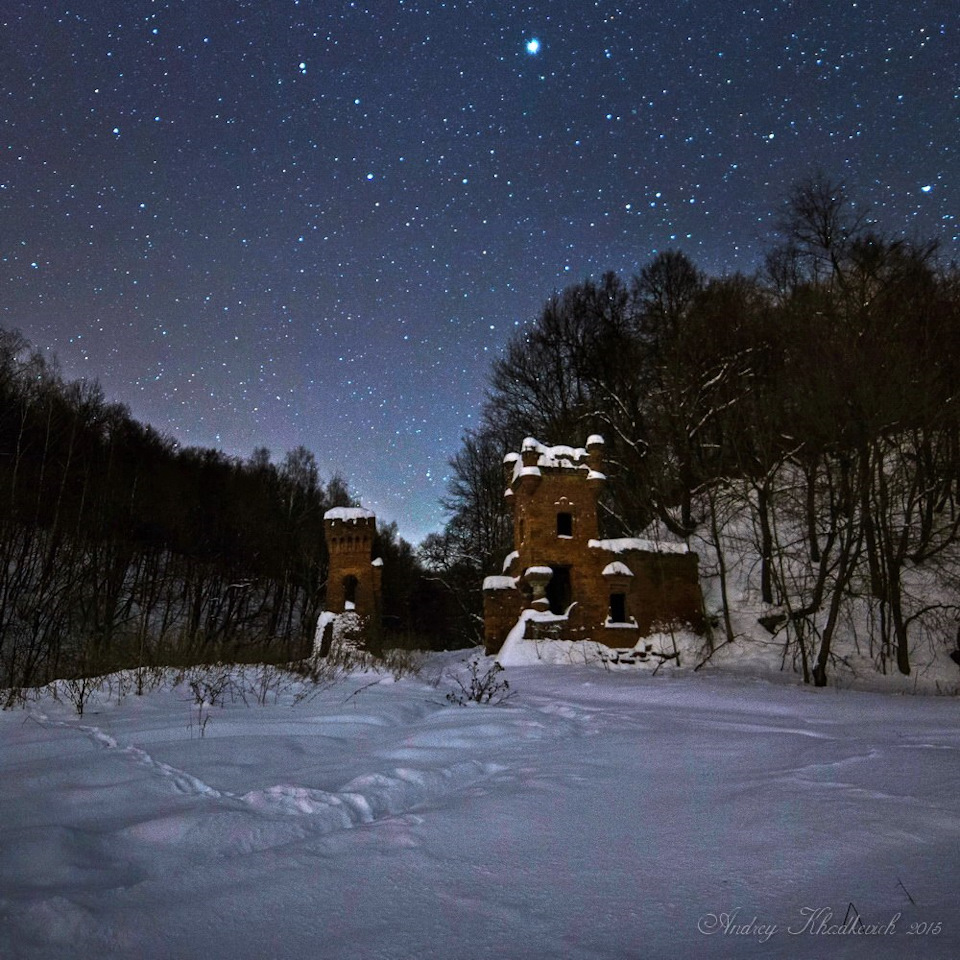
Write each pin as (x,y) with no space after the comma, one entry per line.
(477,687)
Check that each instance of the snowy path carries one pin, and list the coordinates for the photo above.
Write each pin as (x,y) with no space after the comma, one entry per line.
(363,800)
(597,816)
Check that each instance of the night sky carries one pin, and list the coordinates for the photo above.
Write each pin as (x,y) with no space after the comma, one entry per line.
(278,223)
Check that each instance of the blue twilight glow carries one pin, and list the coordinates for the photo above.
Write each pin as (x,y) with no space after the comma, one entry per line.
(261,226)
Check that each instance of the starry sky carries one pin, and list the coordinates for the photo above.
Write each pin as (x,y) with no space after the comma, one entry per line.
(316,222)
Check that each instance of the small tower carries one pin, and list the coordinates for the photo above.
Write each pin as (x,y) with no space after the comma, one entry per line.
(554,493)
(353,580)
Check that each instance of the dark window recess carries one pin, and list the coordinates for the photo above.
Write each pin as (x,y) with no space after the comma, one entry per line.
(350,589)
(618,608)
(558,590)
(564,524)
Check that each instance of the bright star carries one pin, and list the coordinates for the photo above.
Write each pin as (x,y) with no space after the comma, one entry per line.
(533,46)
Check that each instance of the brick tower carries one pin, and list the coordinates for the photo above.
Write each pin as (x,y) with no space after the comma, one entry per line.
(353,581)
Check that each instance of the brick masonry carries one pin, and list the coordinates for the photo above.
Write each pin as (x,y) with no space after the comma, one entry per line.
(613,591)
(354,578)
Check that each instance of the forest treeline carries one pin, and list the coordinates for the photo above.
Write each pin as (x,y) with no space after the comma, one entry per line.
(118,548)
(799,424)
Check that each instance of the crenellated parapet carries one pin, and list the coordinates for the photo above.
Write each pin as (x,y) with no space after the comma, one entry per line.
(350,530)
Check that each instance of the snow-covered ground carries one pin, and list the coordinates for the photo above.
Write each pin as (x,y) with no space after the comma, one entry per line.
(596,815)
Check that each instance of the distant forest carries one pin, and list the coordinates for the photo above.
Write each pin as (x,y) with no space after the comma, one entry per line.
(802,423)
(119,549)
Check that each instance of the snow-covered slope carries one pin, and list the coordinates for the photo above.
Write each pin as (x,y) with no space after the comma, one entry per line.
(595,815)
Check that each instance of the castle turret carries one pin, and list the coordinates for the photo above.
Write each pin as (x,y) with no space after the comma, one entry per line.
(555,491)
(353,581)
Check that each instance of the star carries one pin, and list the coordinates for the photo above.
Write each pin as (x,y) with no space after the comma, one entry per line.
(389,191)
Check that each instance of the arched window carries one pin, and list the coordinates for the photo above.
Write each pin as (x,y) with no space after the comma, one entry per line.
(350,589)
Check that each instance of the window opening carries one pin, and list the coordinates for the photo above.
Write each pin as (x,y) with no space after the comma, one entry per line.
(618,608)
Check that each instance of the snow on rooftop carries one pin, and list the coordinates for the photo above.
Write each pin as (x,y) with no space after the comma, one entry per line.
(499,583)
(559,456)
(626,544)
(349,514)
(562,452)
(553,456)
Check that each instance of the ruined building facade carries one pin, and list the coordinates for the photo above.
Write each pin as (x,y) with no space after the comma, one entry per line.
(611,591)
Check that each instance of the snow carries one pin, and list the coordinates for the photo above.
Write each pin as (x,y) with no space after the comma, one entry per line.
(499,583)
(859,658)
(326,618)
(554,458)
(518,651)
(556,455)
(348,514)
(617,569)
(599,814)
(625,544)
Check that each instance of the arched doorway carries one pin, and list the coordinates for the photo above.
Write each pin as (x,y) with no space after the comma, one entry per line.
(350,584)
